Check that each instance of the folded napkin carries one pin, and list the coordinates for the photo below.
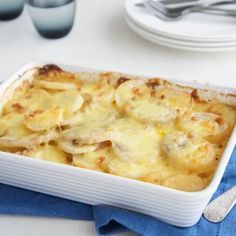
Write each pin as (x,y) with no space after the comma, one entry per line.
(110,219)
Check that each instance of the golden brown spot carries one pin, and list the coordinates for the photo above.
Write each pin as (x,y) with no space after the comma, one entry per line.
(205,175)
(153,83)
(75,142)
(28,96)
(69,158)
(121,80)
(18,107)
(194,94)
(34,113)
(194,118)
(100,161)
(219,120)
(99,86)
(196,97)
(87,97)
(153,93)
(107,74)
(45,70)
(190,136)
(178,110)
(137,92)
(103,145)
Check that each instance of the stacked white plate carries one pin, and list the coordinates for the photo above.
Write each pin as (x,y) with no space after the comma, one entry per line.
(196,31)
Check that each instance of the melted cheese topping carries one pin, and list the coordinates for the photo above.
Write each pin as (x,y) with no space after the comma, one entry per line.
(118,125)
(133,141)
(49,153)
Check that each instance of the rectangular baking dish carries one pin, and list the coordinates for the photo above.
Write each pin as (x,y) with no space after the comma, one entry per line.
(175,207)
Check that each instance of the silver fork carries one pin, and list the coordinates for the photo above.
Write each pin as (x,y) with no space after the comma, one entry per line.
(174,4)
(165,14)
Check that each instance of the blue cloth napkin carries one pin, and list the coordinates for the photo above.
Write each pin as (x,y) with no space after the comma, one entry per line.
(110,219)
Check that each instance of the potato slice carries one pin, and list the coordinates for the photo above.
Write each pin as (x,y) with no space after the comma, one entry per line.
(75,148)
(132,141)
(71,119)
(150,111)
(71,100)
(226,111)
(127,168)
(178,100)
(189,183)
(12,142)
(98,117)
(96,160)
(131,89)
(211,126)
(54,85)
(91,127)
(12,124)
(189,154)
(84,135)
(49,153)
(62,105)
(159,172)
(43,120)
(105,95)
(45,137)
(30,100)
(134,97)
(38,99)
(28,141)
(13,132)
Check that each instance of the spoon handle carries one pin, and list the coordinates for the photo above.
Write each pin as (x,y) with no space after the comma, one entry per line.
(218,209)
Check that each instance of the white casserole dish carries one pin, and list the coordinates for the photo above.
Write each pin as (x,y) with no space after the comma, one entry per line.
(172,206)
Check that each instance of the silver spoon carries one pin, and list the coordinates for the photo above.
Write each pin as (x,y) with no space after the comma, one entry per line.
(219,208)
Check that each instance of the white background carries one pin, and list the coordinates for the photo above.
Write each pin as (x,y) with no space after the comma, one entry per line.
(100,39)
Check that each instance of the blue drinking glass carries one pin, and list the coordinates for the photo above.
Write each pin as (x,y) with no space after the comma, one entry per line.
(52,18)
(10,9)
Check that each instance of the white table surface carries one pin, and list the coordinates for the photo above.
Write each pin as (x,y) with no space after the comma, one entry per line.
(100,39)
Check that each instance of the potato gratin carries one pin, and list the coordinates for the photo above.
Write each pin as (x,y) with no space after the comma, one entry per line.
(145,129)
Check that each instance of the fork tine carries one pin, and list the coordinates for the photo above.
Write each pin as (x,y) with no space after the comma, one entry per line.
(161,14)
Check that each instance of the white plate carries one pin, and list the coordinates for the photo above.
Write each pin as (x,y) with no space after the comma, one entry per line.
(181,41)
(196,26)
(177,43)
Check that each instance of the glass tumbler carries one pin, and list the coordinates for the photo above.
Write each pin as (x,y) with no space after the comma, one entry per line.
(10,9)
(52,18)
